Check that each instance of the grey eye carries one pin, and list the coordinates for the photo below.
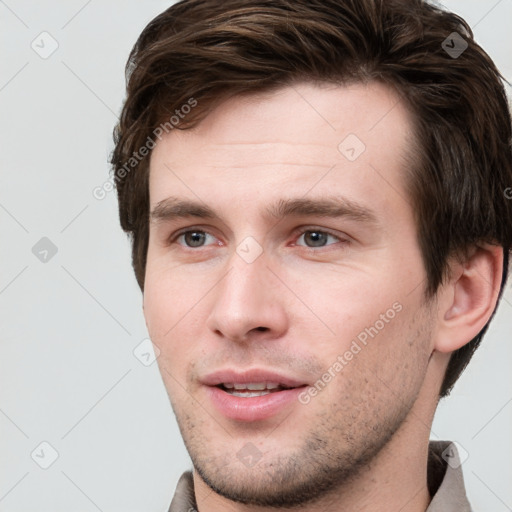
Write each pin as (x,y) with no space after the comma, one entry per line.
(194,238)
(316,238)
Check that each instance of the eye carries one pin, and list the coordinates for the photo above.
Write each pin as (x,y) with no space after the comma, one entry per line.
(193,238)
(317,238)
(313,238)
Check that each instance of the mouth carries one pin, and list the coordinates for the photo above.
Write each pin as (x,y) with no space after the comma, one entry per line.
(252,389)
(252,395)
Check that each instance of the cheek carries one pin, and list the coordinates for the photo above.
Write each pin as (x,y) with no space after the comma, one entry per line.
(341,305)
(379,380)
(174,314)
(157,305)
(169,297)
(380,343)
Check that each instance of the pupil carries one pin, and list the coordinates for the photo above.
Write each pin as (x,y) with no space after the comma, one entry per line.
(192,238)
(317,236)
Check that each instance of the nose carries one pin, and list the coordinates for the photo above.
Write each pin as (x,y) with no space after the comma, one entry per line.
(249,302)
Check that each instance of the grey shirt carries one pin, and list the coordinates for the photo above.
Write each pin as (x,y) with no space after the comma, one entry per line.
(444,477)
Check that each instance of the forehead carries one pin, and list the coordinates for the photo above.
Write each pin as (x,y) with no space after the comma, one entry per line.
(298,140)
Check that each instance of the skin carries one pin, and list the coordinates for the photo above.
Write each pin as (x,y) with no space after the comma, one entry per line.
(362,442)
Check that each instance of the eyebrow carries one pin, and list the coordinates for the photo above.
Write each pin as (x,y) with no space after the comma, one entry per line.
(332,207)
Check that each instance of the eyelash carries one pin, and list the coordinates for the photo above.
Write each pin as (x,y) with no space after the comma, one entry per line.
(299,232)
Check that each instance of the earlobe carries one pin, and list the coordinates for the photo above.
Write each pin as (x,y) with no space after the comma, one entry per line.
(470,298)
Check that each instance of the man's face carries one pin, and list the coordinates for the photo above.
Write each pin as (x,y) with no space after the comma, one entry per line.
(288,297)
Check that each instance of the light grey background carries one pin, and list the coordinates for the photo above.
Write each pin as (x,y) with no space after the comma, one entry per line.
(69,327)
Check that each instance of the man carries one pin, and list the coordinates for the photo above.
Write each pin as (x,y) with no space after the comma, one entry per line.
(316,194)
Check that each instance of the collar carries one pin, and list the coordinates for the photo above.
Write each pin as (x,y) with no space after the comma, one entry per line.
(444,475)
(445,480)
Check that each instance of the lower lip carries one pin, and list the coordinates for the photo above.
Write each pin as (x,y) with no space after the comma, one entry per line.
(253,408)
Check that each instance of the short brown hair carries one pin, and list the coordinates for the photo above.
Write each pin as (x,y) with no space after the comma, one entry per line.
(201,52)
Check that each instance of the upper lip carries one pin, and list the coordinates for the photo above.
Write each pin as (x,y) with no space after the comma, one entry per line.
(249,376)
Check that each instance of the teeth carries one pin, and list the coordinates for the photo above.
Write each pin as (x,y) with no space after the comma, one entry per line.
(257,387)
(252,386)
(248,395)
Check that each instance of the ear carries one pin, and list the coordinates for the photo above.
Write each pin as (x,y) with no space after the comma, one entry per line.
(468,300)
